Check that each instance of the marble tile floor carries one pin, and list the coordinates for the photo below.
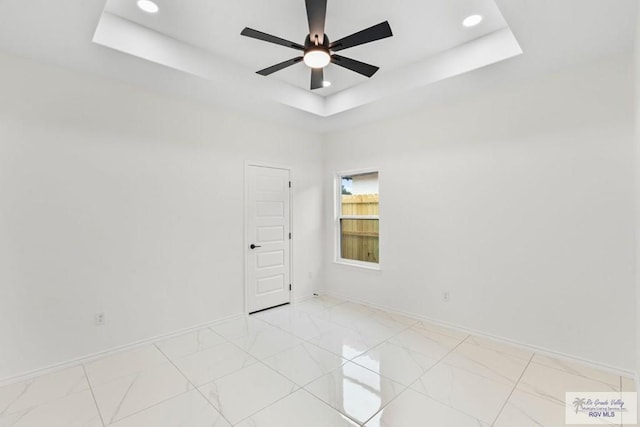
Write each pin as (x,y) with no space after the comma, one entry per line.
(320,363)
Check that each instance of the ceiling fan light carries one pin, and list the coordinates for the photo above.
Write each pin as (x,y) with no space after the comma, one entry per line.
(317,58)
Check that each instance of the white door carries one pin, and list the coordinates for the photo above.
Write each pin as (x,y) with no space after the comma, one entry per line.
(268,239)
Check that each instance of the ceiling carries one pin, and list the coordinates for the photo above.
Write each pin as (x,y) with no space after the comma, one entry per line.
(421,29)
(194,50)
(194,39)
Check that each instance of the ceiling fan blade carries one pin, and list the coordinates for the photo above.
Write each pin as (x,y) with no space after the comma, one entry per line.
(353,65)
(250,32)
(316,14)
(317,77)
(377,32)
(280,66)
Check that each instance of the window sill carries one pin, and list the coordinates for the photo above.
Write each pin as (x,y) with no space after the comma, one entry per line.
(365,266)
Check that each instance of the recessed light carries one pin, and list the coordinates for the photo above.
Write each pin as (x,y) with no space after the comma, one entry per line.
(148,6)
(472,21)
(326,83)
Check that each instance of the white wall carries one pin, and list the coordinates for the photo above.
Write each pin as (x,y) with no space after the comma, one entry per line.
(518,203)
(117,200)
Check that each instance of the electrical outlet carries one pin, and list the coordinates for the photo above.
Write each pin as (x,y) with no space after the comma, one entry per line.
(99,319)
(446,296)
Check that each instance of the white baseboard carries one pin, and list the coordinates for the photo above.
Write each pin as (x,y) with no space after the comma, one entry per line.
(91,357)
(532,348)
(302,299)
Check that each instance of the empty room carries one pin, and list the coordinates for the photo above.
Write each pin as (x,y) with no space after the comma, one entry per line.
(319,213)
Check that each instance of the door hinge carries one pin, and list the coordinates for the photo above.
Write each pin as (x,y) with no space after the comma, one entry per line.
(289,184)
(289,236)
(289,286)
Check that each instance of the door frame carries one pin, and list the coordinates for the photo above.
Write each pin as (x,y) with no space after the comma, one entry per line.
(245,241)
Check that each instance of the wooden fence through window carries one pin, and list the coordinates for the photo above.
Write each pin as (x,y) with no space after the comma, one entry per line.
(360,237)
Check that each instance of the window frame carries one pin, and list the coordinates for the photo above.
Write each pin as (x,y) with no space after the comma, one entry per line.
(338,217)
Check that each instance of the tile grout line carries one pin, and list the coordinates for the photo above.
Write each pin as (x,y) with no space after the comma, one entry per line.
(350,360)
(155,344)
(317,315)
(268,357)
(258,361)
(302,341)
(148,407)
(192,384)
(288,395)
(298,387)
(515,385)
(308,341)
(386,340)
(482,375)
(230,373)
(95,401)
(471,372)
(87,360)
(417,379)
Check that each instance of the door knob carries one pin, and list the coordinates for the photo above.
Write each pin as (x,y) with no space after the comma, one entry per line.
(254,246)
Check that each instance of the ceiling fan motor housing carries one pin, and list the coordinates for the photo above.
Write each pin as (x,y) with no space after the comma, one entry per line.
(309,44)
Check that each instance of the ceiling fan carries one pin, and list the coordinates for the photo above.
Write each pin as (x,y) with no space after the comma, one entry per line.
(318,50)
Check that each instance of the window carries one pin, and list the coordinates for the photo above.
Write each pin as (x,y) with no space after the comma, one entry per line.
(358,219)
